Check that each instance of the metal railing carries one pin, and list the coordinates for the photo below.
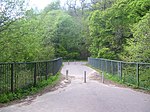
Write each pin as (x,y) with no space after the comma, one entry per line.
(19,75)
(129,72)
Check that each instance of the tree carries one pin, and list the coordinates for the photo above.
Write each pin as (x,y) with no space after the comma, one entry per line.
(23,41)
(10,11)
(53,6)
(67,37)
(111,28)
(138,48)
(101,4)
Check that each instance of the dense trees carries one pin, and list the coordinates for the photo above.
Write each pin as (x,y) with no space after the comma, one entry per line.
(21,34)
(62,31)
(40,36)
(138,47)
(10,11)
(114,29)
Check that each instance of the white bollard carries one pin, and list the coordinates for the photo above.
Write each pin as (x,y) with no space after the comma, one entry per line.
(68,62)
(84,76)
(74,62)
(66,74)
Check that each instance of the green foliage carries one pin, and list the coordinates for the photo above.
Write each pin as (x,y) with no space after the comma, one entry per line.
(53,6)
(102,4)
(32,35)
(67,34)
(138,48)
(112,29)
(23,40)
(145,78)
(10,11)
(101,38)
(62,31)
(4,98)
(114,78)
(116,29)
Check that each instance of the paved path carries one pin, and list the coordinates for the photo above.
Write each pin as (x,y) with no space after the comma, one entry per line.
(92,96)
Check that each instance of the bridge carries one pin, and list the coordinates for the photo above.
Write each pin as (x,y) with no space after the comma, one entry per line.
(74,95)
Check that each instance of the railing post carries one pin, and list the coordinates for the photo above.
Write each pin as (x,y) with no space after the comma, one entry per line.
(121,70)
(53,68)
(137,73)
(112,67)
(35,72)
(102,77)
(101,65)
(12,77)
(118,63)
(46,70)
(106,66)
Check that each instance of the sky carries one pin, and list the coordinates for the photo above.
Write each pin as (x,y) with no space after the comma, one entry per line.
(40,4)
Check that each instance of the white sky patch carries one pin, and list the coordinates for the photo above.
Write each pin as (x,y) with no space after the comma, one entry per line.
(41,4)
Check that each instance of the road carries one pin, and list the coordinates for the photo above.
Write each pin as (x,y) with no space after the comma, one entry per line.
(78,96)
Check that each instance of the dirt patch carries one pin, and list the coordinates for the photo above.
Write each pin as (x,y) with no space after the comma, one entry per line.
(61,84)
(98,77)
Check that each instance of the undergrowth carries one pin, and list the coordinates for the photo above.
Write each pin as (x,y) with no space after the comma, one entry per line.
(24,92)
(115,78)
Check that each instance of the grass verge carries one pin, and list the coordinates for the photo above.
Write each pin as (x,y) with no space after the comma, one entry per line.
(109,78)
(31,90)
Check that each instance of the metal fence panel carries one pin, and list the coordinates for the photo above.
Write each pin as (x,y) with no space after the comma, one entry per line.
(144,75)
(129,72)
(19,75)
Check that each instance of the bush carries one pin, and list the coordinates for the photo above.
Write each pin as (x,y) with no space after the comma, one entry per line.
(4,98)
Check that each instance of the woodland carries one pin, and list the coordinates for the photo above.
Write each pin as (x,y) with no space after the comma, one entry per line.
(111,29)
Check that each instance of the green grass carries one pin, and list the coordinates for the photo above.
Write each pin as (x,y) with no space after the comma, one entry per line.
(30,90)
(114,78)
(117,79)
